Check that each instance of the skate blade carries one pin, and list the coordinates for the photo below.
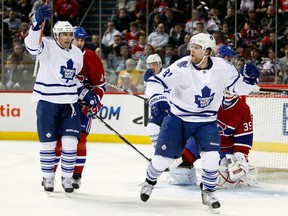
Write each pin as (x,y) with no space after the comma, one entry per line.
(69,195)
(212,210)
(49,193)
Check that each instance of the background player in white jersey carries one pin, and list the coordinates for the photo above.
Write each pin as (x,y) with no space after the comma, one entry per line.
(56,92)
(236,137)
(197,83)
(154,63)
(92,78)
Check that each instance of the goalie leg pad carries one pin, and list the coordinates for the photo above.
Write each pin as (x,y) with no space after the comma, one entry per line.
(180,174)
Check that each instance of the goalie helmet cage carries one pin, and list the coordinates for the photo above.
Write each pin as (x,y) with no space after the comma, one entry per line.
(270,125)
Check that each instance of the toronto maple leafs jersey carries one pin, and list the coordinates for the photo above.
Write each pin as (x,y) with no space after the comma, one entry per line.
(56,80)
(235,125)
(196,94)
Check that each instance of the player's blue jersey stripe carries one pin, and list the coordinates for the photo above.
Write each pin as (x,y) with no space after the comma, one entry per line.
(53,94)
(53,85)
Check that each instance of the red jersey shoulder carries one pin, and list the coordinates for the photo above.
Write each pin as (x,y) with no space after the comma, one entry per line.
(92,68)
(90,54)
(235,114)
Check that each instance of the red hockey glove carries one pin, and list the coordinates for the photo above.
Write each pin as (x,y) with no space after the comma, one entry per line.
(91,112)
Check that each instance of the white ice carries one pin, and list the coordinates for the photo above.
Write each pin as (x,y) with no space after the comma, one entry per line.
(110,187)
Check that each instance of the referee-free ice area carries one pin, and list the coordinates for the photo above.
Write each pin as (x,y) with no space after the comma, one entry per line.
(111,187)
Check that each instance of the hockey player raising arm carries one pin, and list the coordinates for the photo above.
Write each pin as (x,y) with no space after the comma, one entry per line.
(92,78)
(56,94)
(197,83)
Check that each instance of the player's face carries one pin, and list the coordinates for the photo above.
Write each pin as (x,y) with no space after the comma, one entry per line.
(154,67)
(65,39)
(196,53)
(79,42)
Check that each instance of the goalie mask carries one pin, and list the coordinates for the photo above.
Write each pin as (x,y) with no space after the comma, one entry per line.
(229,98)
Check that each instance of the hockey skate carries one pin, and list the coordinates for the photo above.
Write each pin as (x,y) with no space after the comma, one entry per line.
(210,200)
(48,184)
(76,180)
(146,190)
(67,184)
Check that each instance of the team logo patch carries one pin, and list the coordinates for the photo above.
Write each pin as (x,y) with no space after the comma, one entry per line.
(68,72)
(182,64)
(48,135)
(205,99)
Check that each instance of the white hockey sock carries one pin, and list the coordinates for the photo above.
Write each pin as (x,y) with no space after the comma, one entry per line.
(157,166)
(68,157)
(47,158)
(210,164)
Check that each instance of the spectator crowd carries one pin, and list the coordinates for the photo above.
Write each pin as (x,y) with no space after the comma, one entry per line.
(257,29)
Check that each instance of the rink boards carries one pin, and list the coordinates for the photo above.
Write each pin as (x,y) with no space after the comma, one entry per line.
(128,115)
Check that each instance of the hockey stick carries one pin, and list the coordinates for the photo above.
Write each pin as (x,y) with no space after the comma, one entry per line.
(122,138)
(39,45)
(122,90)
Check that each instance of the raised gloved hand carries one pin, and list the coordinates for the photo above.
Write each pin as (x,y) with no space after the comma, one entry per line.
(250,73)
(159,105)
(43,13)
(89,97)
(91,112)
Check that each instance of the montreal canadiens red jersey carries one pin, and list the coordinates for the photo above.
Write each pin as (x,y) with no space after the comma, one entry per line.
(92,73)
(236,130)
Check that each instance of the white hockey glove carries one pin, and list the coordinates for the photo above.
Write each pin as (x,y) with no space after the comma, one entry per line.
(180,174)
(237,166)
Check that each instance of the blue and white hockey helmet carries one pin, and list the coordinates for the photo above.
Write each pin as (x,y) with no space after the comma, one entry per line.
(80,32)
(204,40)
(225,50)
(62,26)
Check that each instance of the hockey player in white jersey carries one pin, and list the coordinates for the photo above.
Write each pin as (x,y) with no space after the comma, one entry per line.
(236,138)
(154,65)
(56,92)
(197,83)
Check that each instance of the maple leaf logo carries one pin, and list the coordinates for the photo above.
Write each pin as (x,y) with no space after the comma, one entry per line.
(68,72)
(205,99)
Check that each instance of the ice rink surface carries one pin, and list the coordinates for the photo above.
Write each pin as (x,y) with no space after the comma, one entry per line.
(110,187)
